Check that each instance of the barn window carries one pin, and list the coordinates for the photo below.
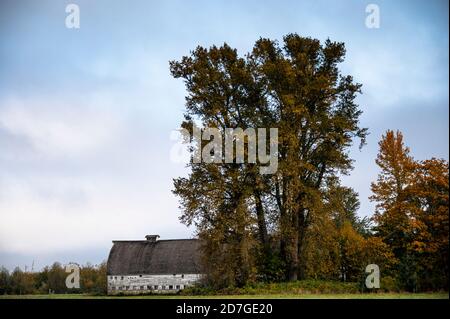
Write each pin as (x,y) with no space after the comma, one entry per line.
(170,287)
(156,287)
(178,286)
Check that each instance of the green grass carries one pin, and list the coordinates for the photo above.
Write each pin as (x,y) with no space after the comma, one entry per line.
(302,289)
(256,296)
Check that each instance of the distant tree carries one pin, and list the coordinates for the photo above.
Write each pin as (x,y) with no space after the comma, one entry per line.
(100,282)
(93,278)
(53,280)
(42,281)
(22,282)
(5,281)
(57,278)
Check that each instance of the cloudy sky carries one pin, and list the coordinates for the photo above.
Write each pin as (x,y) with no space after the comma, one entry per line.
(86,114)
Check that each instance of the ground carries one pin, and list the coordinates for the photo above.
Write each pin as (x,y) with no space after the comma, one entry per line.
(266,296)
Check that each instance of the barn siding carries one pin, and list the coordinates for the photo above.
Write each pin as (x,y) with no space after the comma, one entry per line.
(137,284)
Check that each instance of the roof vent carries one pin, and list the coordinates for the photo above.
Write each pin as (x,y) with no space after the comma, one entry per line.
(152,238)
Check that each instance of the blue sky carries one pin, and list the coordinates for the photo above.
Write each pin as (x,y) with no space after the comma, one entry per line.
(86,114)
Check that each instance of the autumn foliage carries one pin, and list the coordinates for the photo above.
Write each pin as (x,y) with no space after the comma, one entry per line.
(412,213)
(301,223)
(52,280)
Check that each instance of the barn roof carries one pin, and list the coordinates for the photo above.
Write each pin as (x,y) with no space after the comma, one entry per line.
(151,257)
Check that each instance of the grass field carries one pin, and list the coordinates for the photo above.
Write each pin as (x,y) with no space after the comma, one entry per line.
(267,296)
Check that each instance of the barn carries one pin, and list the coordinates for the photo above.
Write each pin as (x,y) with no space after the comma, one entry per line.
(152,265)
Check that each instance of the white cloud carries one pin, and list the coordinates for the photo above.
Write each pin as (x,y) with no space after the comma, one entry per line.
(91,168)
(58,126)
(40,215)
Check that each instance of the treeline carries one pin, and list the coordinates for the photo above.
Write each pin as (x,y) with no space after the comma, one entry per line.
(301,222)
(52,279)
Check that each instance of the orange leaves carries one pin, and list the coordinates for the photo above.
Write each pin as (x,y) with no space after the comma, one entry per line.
(412,210)
(397,170)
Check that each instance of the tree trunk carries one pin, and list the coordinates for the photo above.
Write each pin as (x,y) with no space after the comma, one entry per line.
(262,227)
(301,244)
(293,252)
(288,247)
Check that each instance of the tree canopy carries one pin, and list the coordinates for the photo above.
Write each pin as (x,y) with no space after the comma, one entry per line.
(300,221)
(296,87)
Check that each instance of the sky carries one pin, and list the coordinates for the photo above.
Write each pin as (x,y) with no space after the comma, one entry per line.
(86,114)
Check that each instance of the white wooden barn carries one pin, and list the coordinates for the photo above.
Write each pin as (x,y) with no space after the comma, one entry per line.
(152,265)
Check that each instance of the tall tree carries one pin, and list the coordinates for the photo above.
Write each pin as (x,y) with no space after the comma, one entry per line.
(412,213)
(390,191)
(296,88)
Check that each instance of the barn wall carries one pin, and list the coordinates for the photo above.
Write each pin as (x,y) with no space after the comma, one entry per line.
(137,284)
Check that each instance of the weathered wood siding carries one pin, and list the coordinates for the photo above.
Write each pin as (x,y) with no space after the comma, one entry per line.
(137,284)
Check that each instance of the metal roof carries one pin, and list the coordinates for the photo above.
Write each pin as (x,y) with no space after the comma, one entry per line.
(144,257)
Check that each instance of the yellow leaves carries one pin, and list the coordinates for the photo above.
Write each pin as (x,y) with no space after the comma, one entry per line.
(298,109)
(349,235)
(377,251)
